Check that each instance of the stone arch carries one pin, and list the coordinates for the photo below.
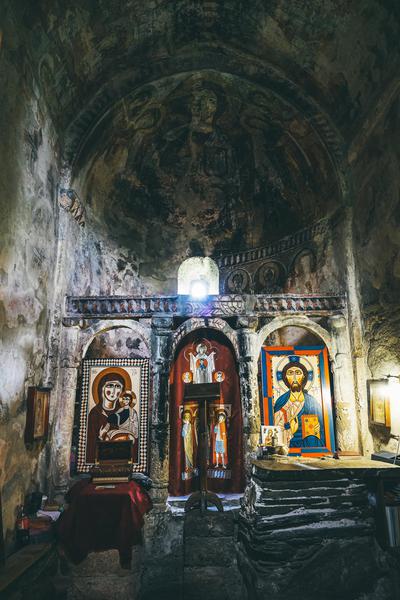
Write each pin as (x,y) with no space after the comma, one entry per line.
(230,403)
(88,335)
(204,323)
(346,421)
(294,321)
(197,269)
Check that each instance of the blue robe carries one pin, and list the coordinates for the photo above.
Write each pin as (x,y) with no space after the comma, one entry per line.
(310,407)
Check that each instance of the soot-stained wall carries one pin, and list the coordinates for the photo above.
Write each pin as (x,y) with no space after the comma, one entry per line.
(28,222)
(377,247)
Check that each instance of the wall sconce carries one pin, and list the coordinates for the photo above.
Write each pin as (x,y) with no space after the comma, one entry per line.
(379,394)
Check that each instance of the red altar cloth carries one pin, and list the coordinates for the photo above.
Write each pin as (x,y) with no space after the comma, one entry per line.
(102,519)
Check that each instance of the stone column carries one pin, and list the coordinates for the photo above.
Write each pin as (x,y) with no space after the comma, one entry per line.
(159,428)
(359,350)
(347,422)
(64,410)
(248,369)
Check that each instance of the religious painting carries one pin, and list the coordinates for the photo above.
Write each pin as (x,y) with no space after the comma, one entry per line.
(271,436)
(205,357)
(379,402)
(37,416)
(114,408)
(190,432)
(297,398)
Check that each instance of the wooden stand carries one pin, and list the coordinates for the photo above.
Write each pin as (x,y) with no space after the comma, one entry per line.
(202,393)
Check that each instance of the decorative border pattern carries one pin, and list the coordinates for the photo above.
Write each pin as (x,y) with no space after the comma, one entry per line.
(260,305)
(143,363)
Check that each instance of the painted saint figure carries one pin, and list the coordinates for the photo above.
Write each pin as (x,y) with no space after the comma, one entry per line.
(220,441)
(202,365)
(187,435)
(297,412)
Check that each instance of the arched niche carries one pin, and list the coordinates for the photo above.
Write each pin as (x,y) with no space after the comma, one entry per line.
(118,341)
(203,353)
(299,321)
(297,393)
(292,335)
(133,337)
(200,271)
(195,323)
(331,332)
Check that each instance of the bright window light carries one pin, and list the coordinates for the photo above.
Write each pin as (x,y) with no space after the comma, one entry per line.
(198,275)
(199,289)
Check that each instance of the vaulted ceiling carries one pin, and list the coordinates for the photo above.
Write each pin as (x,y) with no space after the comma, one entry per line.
(217,124)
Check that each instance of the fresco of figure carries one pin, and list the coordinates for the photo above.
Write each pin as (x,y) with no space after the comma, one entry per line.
(297,412)
(187,435)
(220,441)
(202,365)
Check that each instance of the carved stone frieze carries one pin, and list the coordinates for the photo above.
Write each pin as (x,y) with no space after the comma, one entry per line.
(260,305)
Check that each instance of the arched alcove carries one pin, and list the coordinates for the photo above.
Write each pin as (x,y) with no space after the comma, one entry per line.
(202,356)
(117,342)
(296,390)
(198,272)
(111,346)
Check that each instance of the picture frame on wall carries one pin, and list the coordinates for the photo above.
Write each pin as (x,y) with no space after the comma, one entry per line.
(114,408)
(297,398)
(37,414)
(379,402)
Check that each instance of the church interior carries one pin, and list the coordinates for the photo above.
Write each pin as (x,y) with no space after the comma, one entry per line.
(199,299)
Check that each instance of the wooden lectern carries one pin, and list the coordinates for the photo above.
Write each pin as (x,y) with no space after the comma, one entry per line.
(203,393)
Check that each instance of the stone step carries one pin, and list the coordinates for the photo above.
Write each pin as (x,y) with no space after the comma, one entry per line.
(314,501)
(286,507)
(300,517)
(312,491)
(262,478)
(255,539)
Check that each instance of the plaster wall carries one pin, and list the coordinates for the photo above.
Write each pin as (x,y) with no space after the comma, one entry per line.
(28,224)
(377,247)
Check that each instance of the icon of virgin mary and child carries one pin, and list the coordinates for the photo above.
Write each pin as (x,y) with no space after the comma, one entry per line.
(114,417)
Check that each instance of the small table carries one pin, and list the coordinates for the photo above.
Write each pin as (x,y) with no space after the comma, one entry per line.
(103,518)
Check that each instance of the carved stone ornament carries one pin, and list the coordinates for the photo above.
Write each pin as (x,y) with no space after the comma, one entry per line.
(260,305)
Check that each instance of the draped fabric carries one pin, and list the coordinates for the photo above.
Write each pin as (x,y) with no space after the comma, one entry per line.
(102,518)
(225,454)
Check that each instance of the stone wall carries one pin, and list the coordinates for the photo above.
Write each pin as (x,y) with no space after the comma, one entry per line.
(377,243)
(312,531)
(28,224)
